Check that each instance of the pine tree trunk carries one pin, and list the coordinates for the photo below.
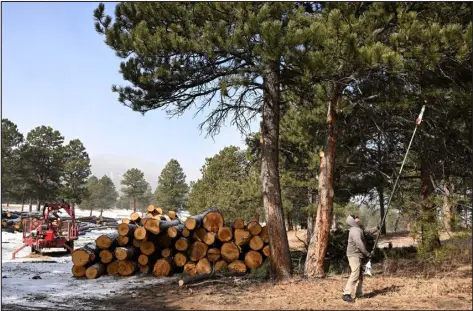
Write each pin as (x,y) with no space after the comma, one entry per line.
(8,204)
(101,212)
(310,216)
(23,205)
(381,208)
(134,204)
(37,205)
(447,210)
(90,212)
(318,245)
(290,226)
(430,234)
(30,208)
(280,256)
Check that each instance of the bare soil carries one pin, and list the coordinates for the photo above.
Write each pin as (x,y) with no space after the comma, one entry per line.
(384,293)
(451,290)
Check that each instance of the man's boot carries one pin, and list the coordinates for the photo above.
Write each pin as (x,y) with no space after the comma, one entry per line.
(347,298)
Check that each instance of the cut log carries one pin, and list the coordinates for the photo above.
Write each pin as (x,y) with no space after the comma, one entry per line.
(182,244)
(112,268)
(126,267)
(221,265)
(86,255)
(137,243)
(213,254)
(203,235)
(195,278)
(143,259)
(140,233)
(159,210)
(264,235)
(180,259)
(238,224)
(144,269)
(197,251)
(196,221)
(253,259)
(225,234)
(190,268)
(254,227)
(135,217)
(174,231)
(152,225)
(123,253)
(126,229)
(186,233)
(78,271)
(230,251)
(123,240)
(267,250)
(163,267)
(95,271)
(106,256)
(242,237)
(213,221)
(172,215)
(147,248)
(164,218)
(125,221)
(151,208)
(165,225)
(167,252)
(237,266)
(203,266)
(256,243)
(106,241)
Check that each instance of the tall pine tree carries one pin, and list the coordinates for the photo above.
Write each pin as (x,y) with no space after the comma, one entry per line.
(172,187)
(134,184)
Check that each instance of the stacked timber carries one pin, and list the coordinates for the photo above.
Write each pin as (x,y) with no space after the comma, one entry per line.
(162,244)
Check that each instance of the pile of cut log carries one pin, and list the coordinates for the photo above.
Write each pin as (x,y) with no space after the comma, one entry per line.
(164,244)
(87,224)
(11,221)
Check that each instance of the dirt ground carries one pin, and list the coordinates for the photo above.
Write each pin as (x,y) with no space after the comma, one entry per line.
(452,291)
(385,293)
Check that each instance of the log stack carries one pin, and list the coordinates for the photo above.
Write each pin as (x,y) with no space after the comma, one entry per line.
(162,244)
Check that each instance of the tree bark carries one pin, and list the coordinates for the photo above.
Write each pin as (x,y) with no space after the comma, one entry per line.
(381,208)
(101,212)
(318,245)
(447,209)
(30,207)
(90,213)
(37,205)
(310,216)
(280,259)
(430,234)
(134,204)
(290,226)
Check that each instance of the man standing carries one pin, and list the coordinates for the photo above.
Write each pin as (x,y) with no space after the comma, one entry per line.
(357,256)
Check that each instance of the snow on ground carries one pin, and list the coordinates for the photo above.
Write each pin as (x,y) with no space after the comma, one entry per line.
(56,288)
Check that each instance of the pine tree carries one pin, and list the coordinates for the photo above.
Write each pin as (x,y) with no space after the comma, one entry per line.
(135,185)
(180,54)
(172,187)
(11,141)
(92,199)
(108,195)
(43,156)
(75,173)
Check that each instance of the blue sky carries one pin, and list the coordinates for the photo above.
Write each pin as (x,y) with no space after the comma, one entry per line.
(57,71)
